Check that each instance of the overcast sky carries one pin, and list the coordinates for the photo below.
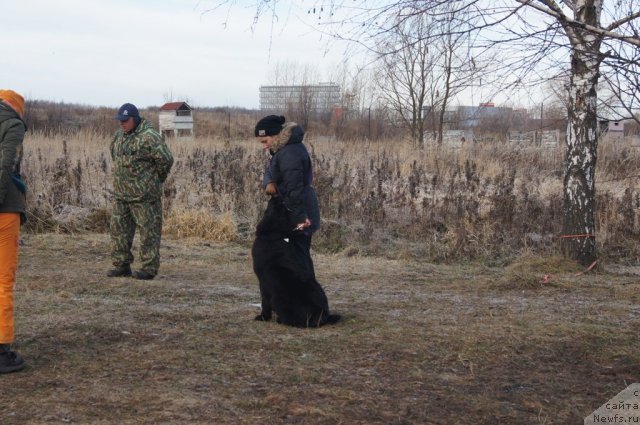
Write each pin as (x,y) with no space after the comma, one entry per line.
(107,52)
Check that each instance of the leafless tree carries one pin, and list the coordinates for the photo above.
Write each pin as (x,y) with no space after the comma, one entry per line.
(591,39)
(403,75)
(355,85)
(420,75)
(291,73)
(580,24)
(456,68)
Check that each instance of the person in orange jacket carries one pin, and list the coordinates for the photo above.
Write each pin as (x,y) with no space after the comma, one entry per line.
(12,215)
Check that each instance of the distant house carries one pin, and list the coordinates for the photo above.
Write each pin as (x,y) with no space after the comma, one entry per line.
(176,119)
(612,129)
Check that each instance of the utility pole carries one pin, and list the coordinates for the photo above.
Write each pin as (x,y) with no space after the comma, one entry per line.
(541,123)
(369,122)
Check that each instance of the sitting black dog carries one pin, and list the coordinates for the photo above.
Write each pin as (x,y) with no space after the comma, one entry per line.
(288,287)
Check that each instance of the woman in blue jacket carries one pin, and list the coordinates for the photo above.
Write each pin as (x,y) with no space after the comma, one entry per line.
(290,176)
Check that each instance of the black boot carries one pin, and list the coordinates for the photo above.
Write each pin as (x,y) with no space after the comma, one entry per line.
(10,361)
(121,271)
(142,275)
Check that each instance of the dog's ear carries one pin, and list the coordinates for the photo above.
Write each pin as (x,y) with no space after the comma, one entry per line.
(275,219)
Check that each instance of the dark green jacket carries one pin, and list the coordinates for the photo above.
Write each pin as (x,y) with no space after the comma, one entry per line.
(12,130)
(141,163)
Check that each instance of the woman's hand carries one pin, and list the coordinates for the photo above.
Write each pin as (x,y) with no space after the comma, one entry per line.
(271,189)
(301,226)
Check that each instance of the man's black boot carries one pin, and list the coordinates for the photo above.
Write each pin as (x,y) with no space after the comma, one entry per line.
(142,275)
(121,271)
(10,361)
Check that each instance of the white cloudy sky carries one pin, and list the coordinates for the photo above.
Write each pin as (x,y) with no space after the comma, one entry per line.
(107,52)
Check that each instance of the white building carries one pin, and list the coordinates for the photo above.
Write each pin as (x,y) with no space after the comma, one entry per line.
(316,98)
(176,119)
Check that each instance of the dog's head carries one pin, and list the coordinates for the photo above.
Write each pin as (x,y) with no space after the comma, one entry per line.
(275,222)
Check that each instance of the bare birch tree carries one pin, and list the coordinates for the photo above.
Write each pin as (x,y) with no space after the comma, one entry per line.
(589,38)
(581,25)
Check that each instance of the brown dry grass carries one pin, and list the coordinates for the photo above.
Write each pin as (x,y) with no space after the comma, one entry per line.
(200,223)
(486,202)
(419,344)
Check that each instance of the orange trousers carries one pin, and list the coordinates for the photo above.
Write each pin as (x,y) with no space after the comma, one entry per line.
(9,234)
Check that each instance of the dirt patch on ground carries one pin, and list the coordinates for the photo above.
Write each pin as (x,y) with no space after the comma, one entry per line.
(419,343)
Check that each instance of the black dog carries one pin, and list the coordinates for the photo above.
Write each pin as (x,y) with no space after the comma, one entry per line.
(287,286)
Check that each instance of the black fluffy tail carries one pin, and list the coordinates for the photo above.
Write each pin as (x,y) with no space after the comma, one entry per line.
(332,319)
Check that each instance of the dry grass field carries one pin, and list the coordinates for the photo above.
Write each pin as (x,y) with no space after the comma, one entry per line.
(443,263)
(486,202)
(420,343)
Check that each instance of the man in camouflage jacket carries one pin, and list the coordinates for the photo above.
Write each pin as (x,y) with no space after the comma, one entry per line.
(141,163)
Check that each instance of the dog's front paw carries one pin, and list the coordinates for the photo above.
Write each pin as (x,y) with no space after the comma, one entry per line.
(263,317)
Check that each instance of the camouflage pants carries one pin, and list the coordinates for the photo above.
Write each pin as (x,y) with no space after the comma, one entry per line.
(147,218)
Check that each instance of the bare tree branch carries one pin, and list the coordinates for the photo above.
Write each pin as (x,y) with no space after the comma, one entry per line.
(553,10)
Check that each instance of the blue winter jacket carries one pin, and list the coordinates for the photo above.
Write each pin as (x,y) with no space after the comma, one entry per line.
(290,169)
